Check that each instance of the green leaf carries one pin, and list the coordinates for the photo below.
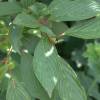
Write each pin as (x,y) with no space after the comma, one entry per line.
(16,91)
(35,32)
(90,85)
(85,80)
(89,29)
(32,40)
(39,9)
(50,68)
(3,85)
(29,80)
(67,89)
(93,55)
(2,96)
(73,10)
(59,28)
(95,92)
(3,70)
(15,38)
(47,30)
(26,20)
(9,8)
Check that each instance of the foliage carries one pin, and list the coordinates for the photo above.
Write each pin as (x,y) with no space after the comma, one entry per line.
(47,51)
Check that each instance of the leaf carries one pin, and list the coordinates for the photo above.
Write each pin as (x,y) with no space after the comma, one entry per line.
(2,96)
(32,40)
(95,92)
(49,68)
(16,91)
(3,29)
(35,32)
(85,80)
(3,70)
(67,90)
(9,8)
(47,30)
(39,9)
(26,20)
(29,80)
(59,28)
(93,55)
(88,29)
(15,38)
(90,85)
(3,85)
(73,10)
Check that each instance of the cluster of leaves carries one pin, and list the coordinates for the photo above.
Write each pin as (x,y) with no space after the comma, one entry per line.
(32,67)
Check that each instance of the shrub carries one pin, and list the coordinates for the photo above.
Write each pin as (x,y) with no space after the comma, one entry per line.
(35,36)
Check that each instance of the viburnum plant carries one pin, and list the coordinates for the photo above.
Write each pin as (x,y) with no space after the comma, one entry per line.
(29,31)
